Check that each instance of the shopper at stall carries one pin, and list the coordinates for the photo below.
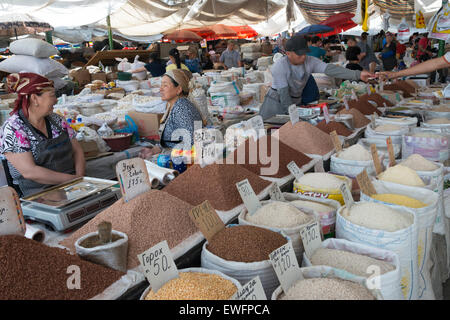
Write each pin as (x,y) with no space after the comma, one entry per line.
(266,47)
(39,145)
(353,56)
(315,50)
(230,58)
(388,53)
(368,60)
(193,62)
(155,66)
(421,68)
(175,61)
(180,112)
(292,80)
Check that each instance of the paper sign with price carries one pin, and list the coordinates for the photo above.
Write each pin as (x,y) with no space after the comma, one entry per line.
(275,193)
(336,142)
(133,178)
(365,184)
(376,159)
(311,238)
(295,170)
(347,195)
(252,290)
(206,219)
(257,123)
(293,114)
(326,114)
(248,196)
(11,216)
(286,266)
(347,107)
(390,148)
(158,265)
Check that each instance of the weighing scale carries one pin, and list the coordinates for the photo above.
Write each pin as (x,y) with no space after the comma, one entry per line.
(70,204)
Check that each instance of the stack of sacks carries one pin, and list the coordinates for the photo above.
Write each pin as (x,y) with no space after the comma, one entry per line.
(32,55)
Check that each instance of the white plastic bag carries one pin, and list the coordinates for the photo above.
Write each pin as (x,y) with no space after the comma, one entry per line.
(402,242)
(426,217)
(123,65)
(351,168)
(33,47)
(403,31)
(136,65)
(45,67)
(389,282)
(105,131)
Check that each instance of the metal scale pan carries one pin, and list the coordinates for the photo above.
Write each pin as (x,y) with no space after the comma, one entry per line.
(67,205)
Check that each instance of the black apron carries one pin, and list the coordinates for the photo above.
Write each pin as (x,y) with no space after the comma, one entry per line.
(53,153)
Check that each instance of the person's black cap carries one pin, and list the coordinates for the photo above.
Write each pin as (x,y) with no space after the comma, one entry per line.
(297,44)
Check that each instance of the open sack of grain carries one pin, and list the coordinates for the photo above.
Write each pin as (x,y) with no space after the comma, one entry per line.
(424,203)
(352,161)
(27,275)
(195,284)
(282,217)
(429,144)
(384,227)
(363,261)
(326,283)
(326,209)
(227,254)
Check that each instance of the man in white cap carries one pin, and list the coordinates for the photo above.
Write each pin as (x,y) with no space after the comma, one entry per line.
(292,80)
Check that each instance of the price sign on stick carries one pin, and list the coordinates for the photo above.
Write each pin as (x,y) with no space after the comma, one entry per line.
(354,96)
(252,290)
(248,196)
(326,114)
(275,193)
(206,219)
(293,114)
(347,195)
(11,216)
(158,265)
(365,184)
(286,266)
(311,238)
(347,107)
(390,148)
(376,159)
(318,167)
(295,170)
(336,141)
(133,178)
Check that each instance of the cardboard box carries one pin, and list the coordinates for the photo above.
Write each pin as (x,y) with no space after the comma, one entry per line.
(148,123)
(90,148)
(111,76)
(98,76)
(82,76)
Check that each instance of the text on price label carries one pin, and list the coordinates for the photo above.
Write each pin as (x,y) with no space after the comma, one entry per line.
(347,195)
(11,216)
(295,170)
(293,114)
(286,266)
(275,193)
(248,196)
(252,290)
(311,238)
(158,265)
(206,219)
(133,178)
(326,114)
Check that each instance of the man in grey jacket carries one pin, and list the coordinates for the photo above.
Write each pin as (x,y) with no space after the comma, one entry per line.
(292,81)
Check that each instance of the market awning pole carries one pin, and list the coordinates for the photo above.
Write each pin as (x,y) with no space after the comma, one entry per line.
(110,37)
(441,48)
(49,37)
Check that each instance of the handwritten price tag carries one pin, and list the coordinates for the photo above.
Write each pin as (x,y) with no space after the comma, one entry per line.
(293,114)
(390,148)
(311,238)
(248,196)
(376,159)
(252,290)
(295,170)
(336,142)
(286,266)
(11,216)
(275,193)
(158,265)
(133,178)
(365,184)
(326,114)
(347,107)
(206,219)
(347,195)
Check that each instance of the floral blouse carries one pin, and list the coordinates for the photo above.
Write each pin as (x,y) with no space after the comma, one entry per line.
(16,136)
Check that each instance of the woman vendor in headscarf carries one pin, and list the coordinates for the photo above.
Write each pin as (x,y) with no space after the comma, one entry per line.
(39,145)
(177,124)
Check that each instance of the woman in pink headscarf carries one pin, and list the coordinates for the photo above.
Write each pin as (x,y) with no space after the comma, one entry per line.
(39,145)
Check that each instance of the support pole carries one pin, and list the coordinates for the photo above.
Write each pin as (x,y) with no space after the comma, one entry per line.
(110,37)
(49,37)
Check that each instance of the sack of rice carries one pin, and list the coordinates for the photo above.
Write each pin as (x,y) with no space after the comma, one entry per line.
(325,208)
(381,226)
(361,260)
(386,130)
(430,145)
(321,185)
(326,283)
(401,175)
(425,204)
(283,217)
(352,161)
